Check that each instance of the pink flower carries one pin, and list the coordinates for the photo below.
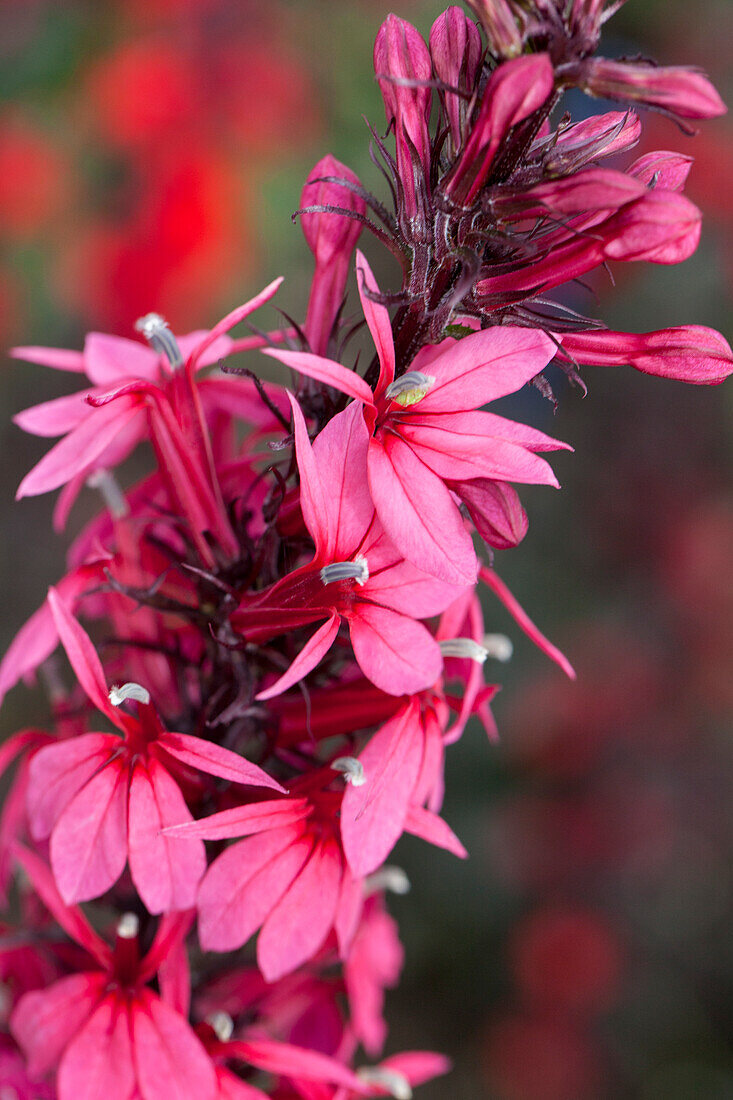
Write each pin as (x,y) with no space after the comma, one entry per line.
(374,963)
(426,440)
(356,573)
(104,800)
(107,1031)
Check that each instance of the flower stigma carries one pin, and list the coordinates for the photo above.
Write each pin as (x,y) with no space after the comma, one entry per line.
(389,878)
(395,1083)
(464,649)
(222,1025)
(498,646)
(138,694)
(410,388)
(128,926)
(156,331)
(357,570)
(352,769)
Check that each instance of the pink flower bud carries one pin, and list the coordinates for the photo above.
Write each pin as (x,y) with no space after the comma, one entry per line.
(661,227)
(455,45)
(505,39)
(403,67)
(599,136)
(516,89)
(690,353)
(331,238)
(590,190)
(662,169)
(681,91)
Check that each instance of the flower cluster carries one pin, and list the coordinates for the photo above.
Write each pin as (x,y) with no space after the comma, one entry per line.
(289,633)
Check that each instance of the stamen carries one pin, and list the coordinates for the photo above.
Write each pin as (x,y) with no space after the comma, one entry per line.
(158,334)
(136,692)
(498,646)
(110,491)
(223,1025)
(353,770)
(410,388)
(392,1080)
(389,878)
(128,926)
(466,649)
(357,570)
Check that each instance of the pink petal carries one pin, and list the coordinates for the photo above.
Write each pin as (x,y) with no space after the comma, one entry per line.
(326,371)
(207,757)
(373,816)
(219,349)
(83,658)
(485,366)
(404,588)
(397,654)
(56,417)
(432,828)
(418,1066)
(244,884)
(169,1058)
(377,318)
(486,424)
(260,817)
(58,358)
(45,1020)
(300,922)
(522,619)
(455,455)
(71,919)
(99,1061)
(166,871)
(170,936)
(78,450)
(311,653)
(234,1088)
(59,771)
(112,359)
(313,497)
(419,513)
(89,840)
(233,319)
(286,1060)
(349,909)
(340,452)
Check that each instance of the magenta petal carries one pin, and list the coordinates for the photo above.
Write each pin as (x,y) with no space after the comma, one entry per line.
(79,449)
(286,1060)
(207,757)
(349,909)
(485,366)
(340,451)
(419,513)
(243,885)
(58,358)
(373,816)
(418,1066)
(313,502)
(522,619)
(234,318)
(455,455)
(324,370)
(432,828)
(496,511)
(83,657)
(99,1063)
(166,871)
(378,320)
(170,1059)
(300,922)
(45,1020)
(311,653)
(396,653)
(234,1088)
(404,588)
(89,840)
(58,771)
(57,417)
(112,359)
(244,820)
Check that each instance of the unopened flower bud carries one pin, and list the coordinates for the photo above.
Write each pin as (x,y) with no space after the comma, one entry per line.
(455,46)
(684,92)
(498,20)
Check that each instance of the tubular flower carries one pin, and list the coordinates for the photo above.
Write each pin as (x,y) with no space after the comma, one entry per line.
(289,638)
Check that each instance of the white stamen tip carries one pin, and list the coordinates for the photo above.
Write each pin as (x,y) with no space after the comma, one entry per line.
(410,388)
(389,878)
(110,491)
(465,649)
(136,692)
(157,332)
(353,770)
(128,926)
(499,646)
(223,1025)
(395,1083)
(356,570)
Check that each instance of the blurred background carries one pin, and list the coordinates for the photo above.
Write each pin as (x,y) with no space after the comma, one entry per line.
(151,154)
